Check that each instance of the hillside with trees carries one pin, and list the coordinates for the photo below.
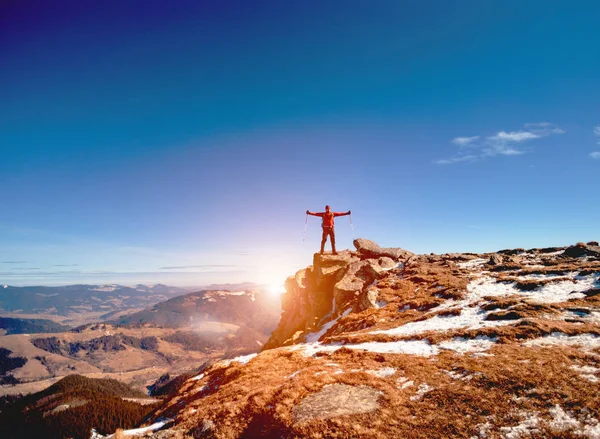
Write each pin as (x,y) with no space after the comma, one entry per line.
(71,408)
(30,326)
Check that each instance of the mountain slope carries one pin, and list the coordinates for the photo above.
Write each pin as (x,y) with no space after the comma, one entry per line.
(30,326)
(71,407)
(252,309)
(381,343)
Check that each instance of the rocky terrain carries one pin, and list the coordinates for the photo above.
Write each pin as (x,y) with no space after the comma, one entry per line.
(380,342)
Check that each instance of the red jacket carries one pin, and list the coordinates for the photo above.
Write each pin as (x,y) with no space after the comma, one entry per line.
(328,217)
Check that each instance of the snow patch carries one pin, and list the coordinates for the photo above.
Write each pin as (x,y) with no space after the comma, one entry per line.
(463,345)
(384,372)
(562,421)
(411,347)
(483,430)
(554,292)
(585,369)
(473,263)
(525,429)
(587,372)
(422,390)
(405,382)
(469,318)
(133,432)
(143,430)
(314,337)
(586,341)
(244,359)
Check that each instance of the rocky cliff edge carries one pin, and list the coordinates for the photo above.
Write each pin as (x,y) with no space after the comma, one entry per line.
(334,284)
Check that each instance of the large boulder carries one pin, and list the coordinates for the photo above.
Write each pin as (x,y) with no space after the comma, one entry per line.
(357,279)
(337,400)
(386,263)
(368,299)
(580,249)
(496,259)
(512,252)
(368,249)
(328,269)
(346,290)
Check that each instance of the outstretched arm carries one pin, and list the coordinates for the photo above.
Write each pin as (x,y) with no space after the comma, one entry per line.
(308,212)
(341,213)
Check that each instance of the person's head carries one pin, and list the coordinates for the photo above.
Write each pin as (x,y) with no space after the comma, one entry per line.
(326,208)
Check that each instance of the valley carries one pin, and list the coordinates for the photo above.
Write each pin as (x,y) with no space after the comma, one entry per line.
(174,336)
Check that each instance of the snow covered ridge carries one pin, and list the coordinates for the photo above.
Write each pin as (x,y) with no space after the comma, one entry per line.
(508,342)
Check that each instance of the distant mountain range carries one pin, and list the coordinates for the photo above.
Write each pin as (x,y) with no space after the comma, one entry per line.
(69,299)
(78,304)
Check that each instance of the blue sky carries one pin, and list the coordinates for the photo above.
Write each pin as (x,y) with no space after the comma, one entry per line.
(181,142)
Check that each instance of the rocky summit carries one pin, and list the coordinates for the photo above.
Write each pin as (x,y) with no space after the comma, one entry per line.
(382,343)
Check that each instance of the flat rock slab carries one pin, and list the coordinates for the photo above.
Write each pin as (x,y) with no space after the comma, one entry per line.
(337,400)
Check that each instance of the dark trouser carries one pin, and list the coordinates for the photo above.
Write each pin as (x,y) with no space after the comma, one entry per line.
(328,231)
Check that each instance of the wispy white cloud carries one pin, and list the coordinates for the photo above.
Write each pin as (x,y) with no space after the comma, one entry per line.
(595,155)
(538,125)
(502,143)
(597,133)
(544,128)
(462,141)
(513,136)
(500,149)
(464,158)
(207,266)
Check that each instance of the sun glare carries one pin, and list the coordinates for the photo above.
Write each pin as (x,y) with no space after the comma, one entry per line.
(276,288)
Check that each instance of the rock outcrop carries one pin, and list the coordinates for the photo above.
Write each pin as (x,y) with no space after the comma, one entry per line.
(319,292)
(580,250)
(370,249)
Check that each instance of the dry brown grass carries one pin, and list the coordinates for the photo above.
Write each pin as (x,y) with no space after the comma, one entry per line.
(258,400)
(449,395)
